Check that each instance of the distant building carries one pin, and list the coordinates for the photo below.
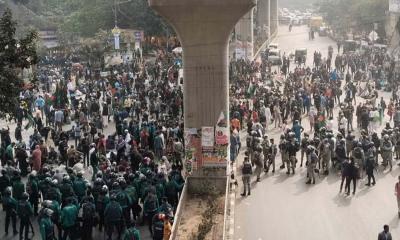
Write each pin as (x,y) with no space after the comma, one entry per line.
(48,38)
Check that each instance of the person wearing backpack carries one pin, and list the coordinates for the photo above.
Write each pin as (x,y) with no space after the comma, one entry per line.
(125,201)
(247,171)
(113,217)
(88,218)
(33,190)
(150,207)
(79,186)
(101,202)
(158,226)
(10,207)
(25,212)
(131,232)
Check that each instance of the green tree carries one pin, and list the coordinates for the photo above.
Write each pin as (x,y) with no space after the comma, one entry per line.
(15,55)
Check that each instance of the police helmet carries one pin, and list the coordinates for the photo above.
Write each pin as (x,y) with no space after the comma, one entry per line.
(115,185)
(46,203)
(104,188)
(54,182)
(48,212)
(25,196)
(386,137)
(7,191)
(66,178)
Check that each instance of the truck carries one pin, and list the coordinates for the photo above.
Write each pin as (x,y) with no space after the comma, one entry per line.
(315,23)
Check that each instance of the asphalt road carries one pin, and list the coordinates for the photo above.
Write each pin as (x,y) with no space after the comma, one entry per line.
(285,208)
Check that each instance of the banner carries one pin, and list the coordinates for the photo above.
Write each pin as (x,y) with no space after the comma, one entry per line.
(207,136)
(192,150)
(116,41)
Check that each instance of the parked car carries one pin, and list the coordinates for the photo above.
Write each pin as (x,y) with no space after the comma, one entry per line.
(274,56)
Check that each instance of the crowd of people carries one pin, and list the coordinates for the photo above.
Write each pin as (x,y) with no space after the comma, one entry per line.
(266,99)
(105,153)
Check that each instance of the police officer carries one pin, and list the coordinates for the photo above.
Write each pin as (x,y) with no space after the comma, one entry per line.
(69,215)
(370,164)
(46,225)
(359,157)
(113,217)
(283,150)
(325,155)
(32,188)
(18,188)
(88,217)
(25,212)
(293,147)
(10,207)
(386,151)
(273,150)
(265,151)
(311,163)
(131,233)
(79,186)
(247,171)
(55,216)
(101,202)
(258,161)
(305,142)
(150,208)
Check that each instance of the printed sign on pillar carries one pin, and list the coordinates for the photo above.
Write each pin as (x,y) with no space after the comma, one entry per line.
(207,136)
(221,130)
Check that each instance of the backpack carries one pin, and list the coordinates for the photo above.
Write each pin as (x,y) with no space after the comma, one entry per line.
(151,204)
(247,169)
(158,229)
(88,211)
(130,234)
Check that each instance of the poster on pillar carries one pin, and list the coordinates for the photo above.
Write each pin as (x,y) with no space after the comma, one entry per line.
(221,130)
(207,136)
(192,150)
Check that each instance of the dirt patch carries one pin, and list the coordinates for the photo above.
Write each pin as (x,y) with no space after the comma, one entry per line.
(193,216)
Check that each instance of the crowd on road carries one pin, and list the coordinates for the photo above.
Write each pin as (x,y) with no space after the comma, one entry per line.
(332,116)
(105,154)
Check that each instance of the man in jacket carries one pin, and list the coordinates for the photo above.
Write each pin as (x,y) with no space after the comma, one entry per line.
(247,171)
(25,212)
(69,215)
(10,207)
(385,234)
(113,217)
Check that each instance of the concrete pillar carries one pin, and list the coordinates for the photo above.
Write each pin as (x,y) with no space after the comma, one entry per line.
(244,30)
(263,16)
(274,16)
(203,27)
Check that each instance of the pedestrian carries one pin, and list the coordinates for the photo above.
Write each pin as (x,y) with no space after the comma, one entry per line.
(25,212)
(131,232)
(113,217)
(397,193)
(46,225)
(68,218)
(385,234)
(10,207)
(247,171)
(351,177)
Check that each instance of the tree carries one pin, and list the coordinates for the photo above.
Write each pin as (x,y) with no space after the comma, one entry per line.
(15,55)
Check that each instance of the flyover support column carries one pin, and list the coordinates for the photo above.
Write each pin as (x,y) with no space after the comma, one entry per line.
(263,17)
(274,16)
(203,27)
(245,33)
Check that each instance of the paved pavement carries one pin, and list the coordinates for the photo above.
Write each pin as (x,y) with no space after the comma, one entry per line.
(285,208)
